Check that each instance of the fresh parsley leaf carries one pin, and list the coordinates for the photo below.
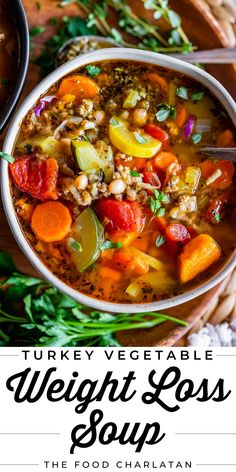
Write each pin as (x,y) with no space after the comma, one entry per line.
(111,245)
(165,111)
(92,70)
(36,31)
(7,265)
(160,240)
(197,96)
(217,217)
(182,92)
(140,138)
(133,173)
(7,157)
(39,6)
(196,138)
(54,21)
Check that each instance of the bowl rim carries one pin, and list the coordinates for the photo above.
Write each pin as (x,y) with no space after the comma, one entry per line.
(22,30)
(101,55)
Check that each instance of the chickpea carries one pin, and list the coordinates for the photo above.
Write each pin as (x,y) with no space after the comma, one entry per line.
(139,117)
(99,116)
(117,186)
(124,115)
(81,181)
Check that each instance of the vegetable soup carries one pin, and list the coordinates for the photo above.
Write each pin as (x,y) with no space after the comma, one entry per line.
(110,188)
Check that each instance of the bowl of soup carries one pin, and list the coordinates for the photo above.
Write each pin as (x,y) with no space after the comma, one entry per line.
(14,56)
(105,189)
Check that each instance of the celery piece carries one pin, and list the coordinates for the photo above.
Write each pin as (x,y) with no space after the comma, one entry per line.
(131,99)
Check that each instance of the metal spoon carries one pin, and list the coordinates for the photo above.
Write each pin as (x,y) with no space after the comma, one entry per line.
(213,56)
(223,154)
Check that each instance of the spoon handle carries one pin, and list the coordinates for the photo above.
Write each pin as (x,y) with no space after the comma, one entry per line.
(224,154)
(212,56)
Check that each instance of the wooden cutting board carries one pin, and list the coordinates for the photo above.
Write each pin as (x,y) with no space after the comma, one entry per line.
(204,32)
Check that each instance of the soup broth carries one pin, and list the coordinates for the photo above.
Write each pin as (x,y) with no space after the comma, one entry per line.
(110,188)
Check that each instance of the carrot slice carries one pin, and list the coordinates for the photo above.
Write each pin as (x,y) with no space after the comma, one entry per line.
(51,221)
(78,85)
(164,159)
(181,116)
(208,168)
(198,255)
(226,139)
(156,78)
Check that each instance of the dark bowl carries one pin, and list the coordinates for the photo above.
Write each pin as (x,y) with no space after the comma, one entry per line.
(22,29)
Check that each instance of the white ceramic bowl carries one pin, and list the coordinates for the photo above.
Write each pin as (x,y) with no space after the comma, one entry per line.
(118,54)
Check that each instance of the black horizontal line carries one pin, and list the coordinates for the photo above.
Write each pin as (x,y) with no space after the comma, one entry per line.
(14,465)
(9,355)
(225,355)
(206,434)
(31,434)
(222,465)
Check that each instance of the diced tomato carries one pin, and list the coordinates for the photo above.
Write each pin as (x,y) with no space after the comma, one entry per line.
(151,178)
(177,233)
(120,215)
(157,133)
(36,177)
(177,236)
(216,209)
(208,168)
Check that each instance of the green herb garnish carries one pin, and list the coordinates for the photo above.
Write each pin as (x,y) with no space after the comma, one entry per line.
(92,70)
(39,6)
(140,138)
(197,96)
(133,173)
(54,21)
(114,122)
(160,240)
(36,31)
(165,111)
(111,245)
(33,313)
(68,28)
(156,203)
(75,245)
(196,138)
(7,157)
(182,92)
(217,217)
